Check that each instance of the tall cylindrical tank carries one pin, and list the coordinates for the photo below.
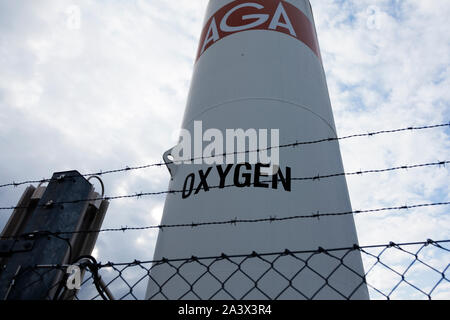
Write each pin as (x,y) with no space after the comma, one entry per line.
(259,67)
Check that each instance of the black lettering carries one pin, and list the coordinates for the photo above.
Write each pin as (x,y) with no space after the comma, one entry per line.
(192,176)
(285,181)
(247,176)
(257,182)
(203,183)
(223,174)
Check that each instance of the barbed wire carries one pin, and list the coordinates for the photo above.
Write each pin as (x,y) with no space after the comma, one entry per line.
(316,250)
(165,192)
(298,273)
(293,144)
(234,222)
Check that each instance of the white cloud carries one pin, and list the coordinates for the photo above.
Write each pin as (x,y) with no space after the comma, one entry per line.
(111,93)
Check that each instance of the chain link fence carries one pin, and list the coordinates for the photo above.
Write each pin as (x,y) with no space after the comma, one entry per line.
(393,271)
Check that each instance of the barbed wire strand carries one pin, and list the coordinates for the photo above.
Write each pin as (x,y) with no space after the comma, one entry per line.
(223,255)
(294,144)
(165,192)
(235,221)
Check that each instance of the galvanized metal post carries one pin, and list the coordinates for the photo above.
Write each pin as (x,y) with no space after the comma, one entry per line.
(34,241)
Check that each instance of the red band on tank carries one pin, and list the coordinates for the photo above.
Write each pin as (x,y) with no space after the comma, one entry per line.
(270,15)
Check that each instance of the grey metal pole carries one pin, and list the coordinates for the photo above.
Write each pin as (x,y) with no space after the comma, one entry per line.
(31,237)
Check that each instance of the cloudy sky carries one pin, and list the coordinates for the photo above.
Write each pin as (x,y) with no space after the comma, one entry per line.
(99,85)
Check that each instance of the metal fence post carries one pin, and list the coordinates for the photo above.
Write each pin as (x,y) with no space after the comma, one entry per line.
(31,236)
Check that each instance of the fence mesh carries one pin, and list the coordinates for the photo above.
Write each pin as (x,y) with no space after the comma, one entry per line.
(393,271)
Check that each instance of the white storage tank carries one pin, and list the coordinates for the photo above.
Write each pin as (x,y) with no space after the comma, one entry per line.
(258,67)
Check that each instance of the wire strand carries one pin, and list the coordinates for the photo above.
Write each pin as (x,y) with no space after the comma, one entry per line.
(236,221)
(313,178)
(294,144)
